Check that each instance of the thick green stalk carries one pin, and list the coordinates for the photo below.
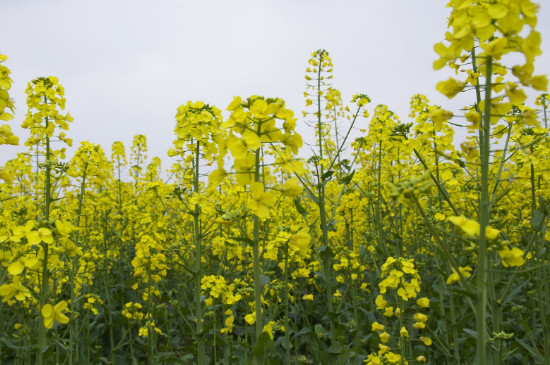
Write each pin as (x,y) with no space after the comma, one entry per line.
(73,343)
(456,350)
(322,209)
(285,296)
(402,341)
(378,215)
(256,258)
(484,216)
(42,335)
(198,269)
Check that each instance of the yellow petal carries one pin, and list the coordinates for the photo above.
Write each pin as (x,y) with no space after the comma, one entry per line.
(47,311)
(33,238)
(251,140)
(61,318)
(15,268)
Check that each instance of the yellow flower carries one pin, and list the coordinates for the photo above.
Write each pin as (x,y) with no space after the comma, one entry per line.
(423,302)
(427,341)
(440,115)
(419,317)
(14,289)
(373,359)
(513,257)
(268,328)
(300,242)
(539,82)
(250,318)
(403,332)
(468,226)
(228,324)
(450,88)
(64,228)
(216,177)
(495,48)
(456,277)
(382,349)
(42,235)
(384,337)
(393,358)
(259,200)
(237,146)
(380,302)
(260,108)
(307,297)
(516,95)
(377,327)
(388,312)
(491,233)
(52,314)
(292,188)
(236,103)
(471,227)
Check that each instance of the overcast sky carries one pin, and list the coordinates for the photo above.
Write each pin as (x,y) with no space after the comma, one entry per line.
(127,65)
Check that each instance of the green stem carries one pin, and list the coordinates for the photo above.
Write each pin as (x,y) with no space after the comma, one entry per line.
(285,295)
(73,343)
(198,269)
(484,216)
(42,332)
(256,256)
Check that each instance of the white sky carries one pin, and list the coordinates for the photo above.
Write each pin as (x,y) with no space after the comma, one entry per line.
(127,65)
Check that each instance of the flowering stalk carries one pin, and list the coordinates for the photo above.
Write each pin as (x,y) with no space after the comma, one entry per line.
(42,338)
(44,96)
(198,269)
(484,216)
(73,343)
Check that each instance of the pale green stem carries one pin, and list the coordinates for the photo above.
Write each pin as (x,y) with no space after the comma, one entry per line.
(256,255)
(42,333)
(198,269)
(73,343)
(484,216)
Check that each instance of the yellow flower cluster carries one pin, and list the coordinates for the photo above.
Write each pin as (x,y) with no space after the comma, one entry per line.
(398,274)
(6,134)
(253,122)
(46,100)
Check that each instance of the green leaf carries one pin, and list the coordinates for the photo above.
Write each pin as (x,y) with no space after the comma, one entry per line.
(299,207)
(263,346)
(264,279)
(537,220)
(320,331)
(347,179)
(183,360)
(10,343)
(312,197)
(303,331)
(335,348)
(532,350)
(471,332)
(327,175)
(516,290)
